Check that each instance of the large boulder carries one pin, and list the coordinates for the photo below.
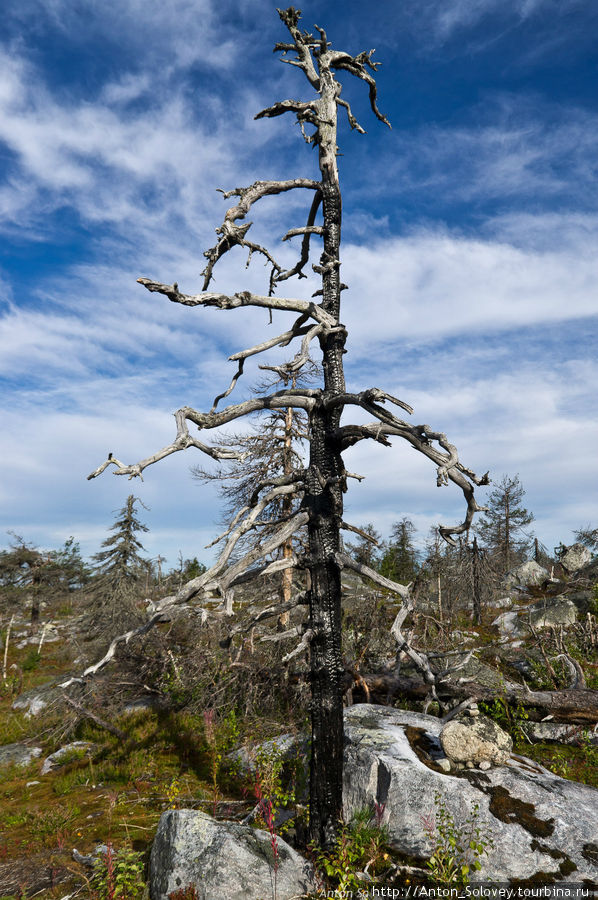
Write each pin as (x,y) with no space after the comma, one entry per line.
(476,741)
(574,557)
(556,611)
(546,613)
(543,828)
(223,859)
(527,574)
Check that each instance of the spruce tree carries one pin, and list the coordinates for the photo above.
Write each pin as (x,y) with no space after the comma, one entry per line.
(400,559)
(501,528)
(118,574)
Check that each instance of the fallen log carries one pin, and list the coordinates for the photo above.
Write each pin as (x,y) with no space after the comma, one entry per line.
(577,706)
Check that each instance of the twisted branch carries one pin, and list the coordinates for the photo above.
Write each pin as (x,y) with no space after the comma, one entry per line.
(297,398)
(242,298)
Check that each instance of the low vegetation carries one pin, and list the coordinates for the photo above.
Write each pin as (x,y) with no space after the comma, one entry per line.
(174,720)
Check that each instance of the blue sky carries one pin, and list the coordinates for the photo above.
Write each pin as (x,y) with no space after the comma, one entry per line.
(469,247)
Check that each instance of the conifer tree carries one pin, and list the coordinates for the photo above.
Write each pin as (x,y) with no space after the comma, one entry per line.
(121,563)
(501,528)
(119,569)
(400,558)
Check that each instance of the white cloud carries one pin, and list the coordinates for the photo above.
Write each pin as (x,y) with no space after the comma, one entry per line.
(464,284)
(444,21)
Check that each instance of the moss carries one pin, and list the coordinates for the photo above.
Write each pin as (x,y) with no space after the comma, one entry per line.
(589,851)
(514,811)
(566,866)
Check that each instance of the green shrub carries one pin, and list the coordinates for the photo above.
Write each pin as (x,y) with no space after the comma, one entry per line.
(457,848)
(118,875)
(359,846)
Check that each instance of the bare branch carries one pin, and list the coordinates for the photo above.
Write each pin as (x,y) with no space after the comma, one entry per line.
(356,66)
(87,714)
(575,670)
(231,235)
(301,399)
(302,357)
(420,660)
(268,613)
(208,581)
(420,437)
(231,386)
(121,639)
(305,642)
(283,339)
(302,42)
(360,532)
(306,229)
(352,120)
(401,590)
(369,399)
(243,298)
(278,109)
(309,229)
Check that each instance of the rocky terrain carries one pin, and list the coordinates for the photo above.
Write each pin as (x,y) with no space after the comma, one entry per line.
(125,772)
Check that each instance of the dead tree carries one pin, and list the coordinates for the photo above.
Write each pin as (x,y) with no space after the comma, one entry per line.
(323,481)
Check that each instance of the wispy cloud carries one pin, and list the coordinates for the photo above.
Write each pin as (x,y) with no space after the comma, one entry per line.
(470,246)
(465,285)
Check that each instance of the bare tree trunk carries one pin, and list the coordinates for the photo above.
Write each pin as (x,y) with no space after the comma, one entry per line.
(476,583)
(577,706)
(287,506)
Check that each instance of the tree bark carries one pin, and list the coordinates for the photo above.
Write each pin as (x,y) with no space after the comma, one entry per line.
(324,501)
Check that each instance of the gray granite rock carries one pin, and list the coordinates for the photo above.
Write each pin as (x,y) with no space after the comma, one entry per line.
(556,611)
(39,698)
(223,859)
(528,573)
(66,754)
(575,557)
(18,754)
(541,826)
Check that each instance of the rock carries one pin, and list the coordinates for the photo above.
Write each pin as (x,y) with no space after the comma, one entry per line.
(143,704)
(528,573)
(556,611)
(574,557)
(559,610)
(508,624)
(66,754)
(18,754)
(222,859)
(467,741)
(90,859)
(37,699)
(484,765)
(542,827)
(289,746)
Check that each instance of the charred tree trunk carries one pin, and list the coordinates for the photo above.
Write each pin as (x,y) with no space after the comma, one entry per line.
(324,500)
